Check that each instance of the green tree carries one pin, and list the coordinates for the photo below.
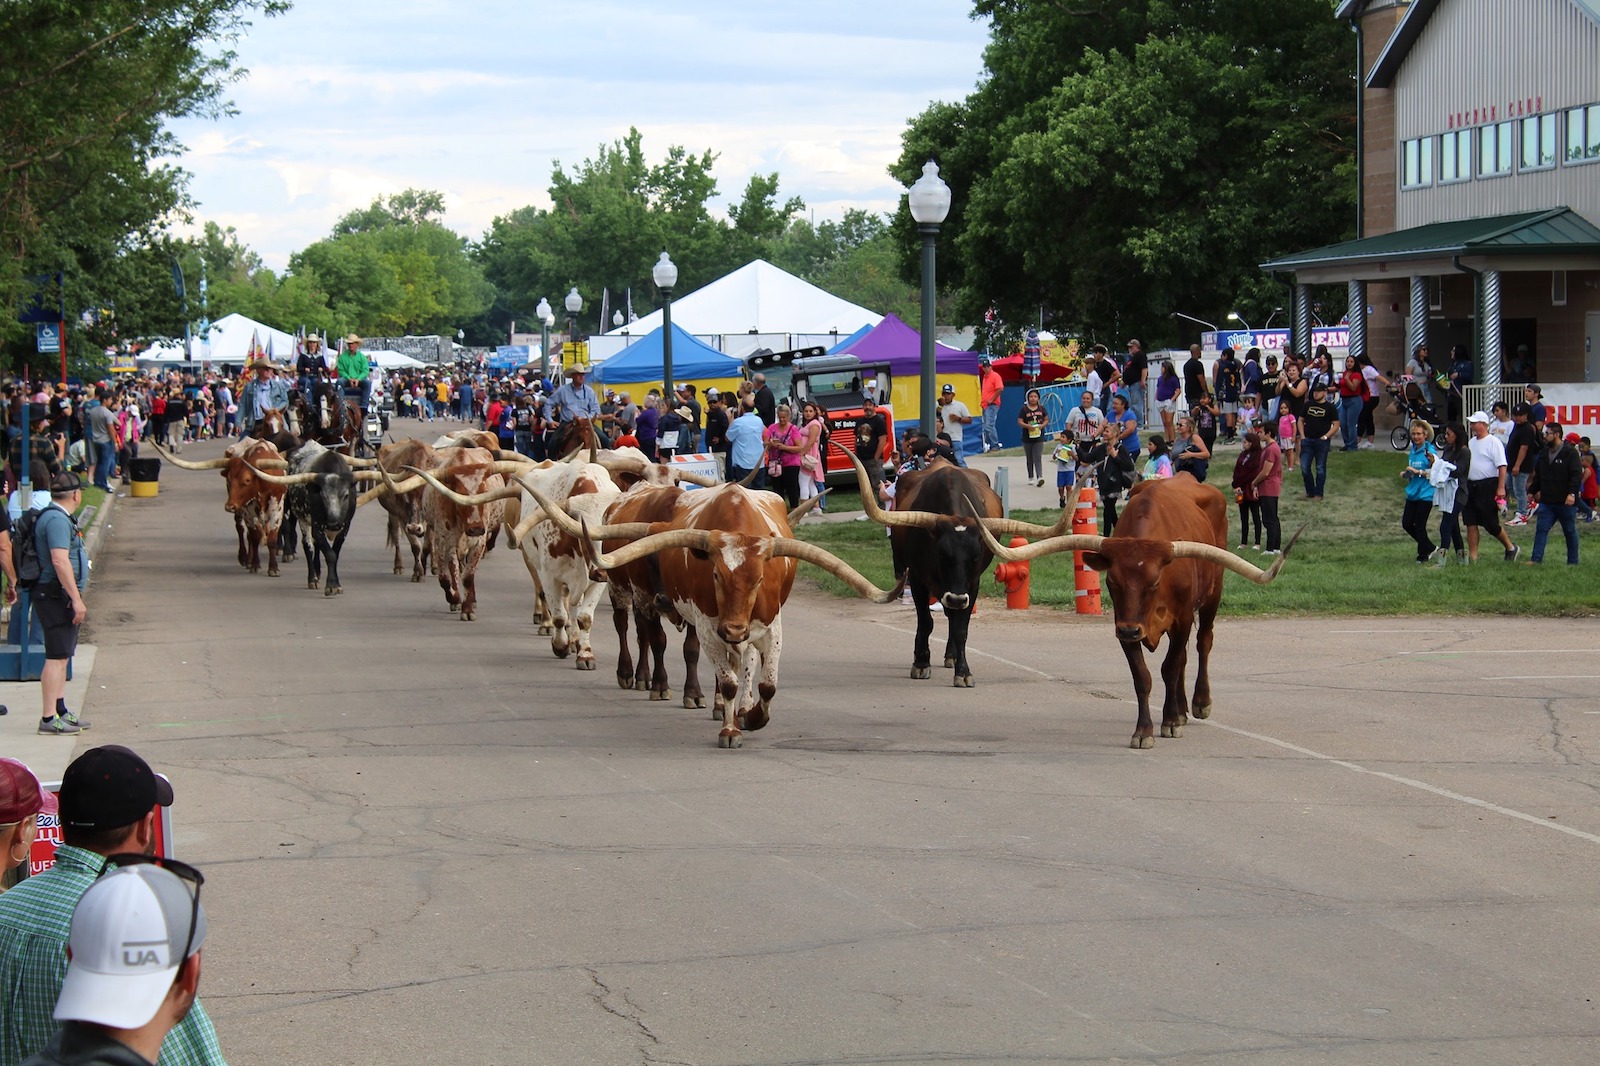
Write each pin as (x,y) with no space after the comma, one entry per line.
(86,87)
(1189,140)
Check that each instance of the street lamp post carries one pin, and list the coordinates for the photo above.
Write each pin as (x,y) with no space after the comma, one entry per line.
(1191,318)
(574,305)
(665,275)
(1234,316)
(546,316)
(929,200)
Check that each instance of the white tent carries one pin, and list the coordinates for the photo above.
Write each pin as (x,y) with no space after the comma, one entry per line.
(228,341)
(393,360)
(759,298)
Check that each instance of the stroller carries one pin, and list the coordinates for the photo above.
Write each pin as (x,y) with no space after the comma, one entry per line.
(1408,401)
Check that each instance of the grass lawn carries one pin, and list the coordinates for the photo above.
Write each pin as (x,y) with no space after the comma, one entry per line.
(1352,560)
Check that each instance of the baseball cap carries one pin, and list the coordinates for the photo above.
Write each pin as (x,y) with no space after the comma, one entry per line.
(1478,416)
(1522,409)
(110,787)
(131,931)
(1572,438)
(20,794)
(712,394)
(65,482)
(948,387)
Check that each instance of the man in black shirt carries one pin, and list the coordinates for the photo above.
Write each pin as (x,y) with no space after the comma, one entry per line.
(1269,394)
(871,428)
(716,425)
(1194,377)
(1135,379)
(1318,424)
(766,403)
(1521,448)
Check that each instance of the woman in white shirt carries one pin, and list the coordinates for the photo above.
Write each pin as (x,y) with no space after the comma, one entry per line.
(1500,424)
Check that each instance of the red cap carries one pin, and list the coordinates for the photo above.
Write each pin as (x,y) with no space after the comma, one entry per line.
(20,794)
(1573,438)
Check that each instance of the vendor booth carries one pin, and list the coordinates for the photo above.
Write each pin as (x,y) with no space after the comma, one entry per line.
(639,367)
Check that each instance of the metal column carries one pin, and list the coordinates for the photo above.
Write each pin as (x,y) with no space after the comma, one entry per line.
(1493,351)
(1357,317)
(1302,320)
(1417,325)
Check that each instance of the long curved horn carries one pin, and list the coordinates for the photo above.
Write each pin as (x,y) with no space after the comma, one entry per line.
(820,556)
(362,464)
(368,475)
(504,492)
(655,542)
(1189,549)
(1074,542)
(909,519)
(574,528)
(282,479)
(705,481)
(389,487)
(507,466)
(521,530)
(800,511)
(628,464)
(750,478)
(209,464)
(501,455)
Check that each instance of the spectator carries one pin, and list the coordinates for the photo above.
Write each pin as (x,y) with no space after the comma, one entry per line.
(785,442)
(110,804)
(1126,423)
(1557,483)
(1245,496)
(1450,492)
(1267,390)
(744,443)
(1194,378)
(1486,488)
(1373,384)
(1522,446)
(689,432)
(956,418)
(1458,378)
(1158,462)
(1169,387)
(1500,423)
(991,389)
(1269,487)
(1113,471)
(1031,420)
(1421,371)
(21,800)
(102,440)
(647,424)
(1229,381)
(1316,428)
(1419,489)
(717,425)
(1533,395)
(871,429)
(766,403)
(135,969)
(1352,386)
(1136,381)
(58,599)
(1190,453)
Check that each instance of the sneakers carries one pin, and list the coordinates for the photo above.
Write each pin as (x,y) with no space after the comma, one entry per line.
(55,727)
(1520,520)
(1512,553)
(72,719)
(1440,557)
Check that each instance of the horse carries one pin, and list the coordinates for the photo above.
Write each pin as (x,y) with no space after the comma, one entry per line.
(573,434)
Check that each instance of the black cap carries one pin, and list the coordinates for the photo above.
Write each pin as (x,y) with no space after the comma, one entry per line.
(108,788)
(1522,409)
(65,482)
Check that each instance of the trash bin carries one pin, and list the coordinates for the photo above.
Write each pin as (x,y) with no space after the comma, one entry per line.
(144,475)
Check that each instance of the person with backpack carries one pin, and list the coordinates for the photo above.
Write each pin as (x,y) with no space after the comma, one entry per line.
(51,560)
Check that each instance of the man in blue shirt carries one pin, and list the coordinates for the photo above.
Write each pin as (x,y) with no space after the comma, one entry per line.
(744,442)
(265,390)
(574,399)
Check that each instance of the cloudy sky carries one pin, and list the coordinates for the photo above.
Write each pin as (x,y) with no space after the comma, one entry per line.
(347,100)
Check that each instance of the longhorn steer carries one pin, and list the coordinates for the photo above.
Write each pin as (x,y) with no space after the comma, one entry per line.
(1164,566)
(256,504)
(725,561)
(459,534)
(322,495)
(405,509)
(934,536)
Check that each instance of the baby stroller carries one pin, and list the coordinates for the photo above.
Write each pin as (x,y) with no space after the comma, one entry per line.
(1409,402)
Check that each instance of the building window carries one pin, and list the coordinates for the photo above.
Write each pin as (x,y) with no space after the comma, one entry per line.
(1583,133)
(1418,170)
(1538,142)
(1455,156)
(1494,150)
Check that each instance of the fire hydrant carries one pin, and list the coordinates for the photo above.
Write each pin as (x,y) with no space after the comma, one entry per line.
(1014,576)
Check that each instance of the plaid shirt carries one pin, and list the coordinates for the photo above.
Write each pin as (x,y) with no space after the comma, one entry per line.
(35,920)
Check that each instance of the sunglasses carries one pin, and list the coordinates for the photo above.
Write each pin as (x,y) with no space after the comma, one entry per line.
(186,873)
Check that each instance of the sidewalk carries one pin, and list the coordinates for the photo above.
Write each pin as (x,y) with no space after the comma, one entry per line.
(46,756)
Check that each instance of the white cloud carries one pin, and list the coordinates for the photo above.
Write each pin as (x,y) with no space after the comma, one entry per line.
(351,99)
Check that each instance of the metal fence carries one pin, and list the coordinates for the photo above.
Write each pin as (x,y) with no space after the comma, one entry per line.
(1483,397)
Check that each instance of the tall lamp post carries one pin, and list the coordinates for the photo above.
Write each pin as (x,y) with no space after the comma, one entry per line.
(929,199)
(1234,316)
(546,316)
(574,305)
(665,275)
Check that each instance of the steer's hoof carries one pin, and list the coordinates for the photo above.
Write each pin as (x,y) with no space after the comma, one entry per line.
(1201,711)
(963,681)
(691,702)
(921,673)
(729,738)
(660,695)
(949,662)
(454,607)
(561,651)
(585,664)
(273,572)
(399,570)
(625,682)
(755,718)
(416,579)
(545,631)
(1174,730)
(331,590)
(313,584)
(1142,742)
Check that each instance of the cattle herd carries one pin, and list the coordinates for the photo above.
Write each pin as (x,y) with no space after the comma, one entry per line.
(678,551)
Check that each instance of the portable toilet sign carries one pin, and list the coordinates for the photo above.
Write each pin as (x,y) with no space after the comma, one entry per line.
(49,337)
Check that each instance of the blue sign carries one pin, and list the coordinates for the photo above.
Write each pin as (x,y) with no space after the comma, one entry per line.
(49,337)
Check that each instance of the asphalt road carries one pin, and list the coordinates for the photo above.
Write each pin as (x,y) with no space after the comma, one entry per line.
(431,841)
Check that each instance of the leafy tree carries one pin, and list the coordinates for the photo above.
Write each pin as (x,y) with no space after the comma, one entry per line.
(1188,141)
(85,89)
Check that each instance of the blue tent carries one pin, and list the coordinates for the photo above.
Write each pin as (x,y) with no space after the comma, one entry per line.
(692,360)
(845,344)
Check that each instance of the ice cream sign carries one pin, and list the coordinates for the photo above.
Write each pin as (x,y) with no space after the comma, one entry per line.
(1273,340)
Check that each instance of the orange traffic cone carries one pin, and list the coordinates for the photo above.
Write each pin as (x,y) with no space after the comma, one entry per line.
(1086,595)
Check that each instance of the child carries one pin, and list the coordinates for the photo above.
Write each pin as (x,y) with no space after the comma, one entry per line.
(1286,441)
(1590,492)
(1066,458)
(1249,411)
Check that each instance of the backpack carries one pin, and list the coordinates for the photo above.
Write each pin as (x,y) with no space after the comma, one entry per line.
(25,549)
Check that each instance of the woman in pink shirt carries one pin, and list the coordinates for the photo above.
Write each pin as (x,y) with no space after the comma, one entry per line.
(1269,486)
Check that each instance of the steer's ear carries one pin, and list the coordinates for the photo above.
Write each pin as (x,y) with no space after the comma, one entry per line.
(1096,561)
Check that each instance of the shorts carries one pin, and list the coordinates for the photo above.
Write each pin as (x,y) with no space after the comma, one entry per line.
(1065,476)
(55,618)
(1285,444)
(1170,404)
(1226,408)
(1481,509)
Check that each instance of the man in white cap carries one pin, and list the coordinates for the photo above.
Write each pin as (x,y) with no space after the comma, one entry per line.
(1486,488)
(135,943)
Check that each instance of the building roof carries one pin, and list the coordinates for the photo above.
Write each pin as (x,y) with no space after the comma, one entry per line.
(759,298)
(1558,231)
(1407,33)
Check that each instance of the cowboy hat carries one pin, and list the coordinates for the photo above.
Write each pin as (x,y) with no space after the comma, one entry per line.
(261,362)
(352,339)
(578,368)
